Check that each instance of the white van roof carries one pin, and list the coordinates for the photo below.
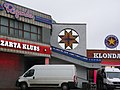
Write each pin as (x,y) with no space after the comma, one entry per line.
(111,69)
(52,65)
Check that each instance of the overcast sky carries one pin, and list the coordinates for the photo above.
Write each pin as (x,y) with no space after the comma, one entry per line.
(102,17)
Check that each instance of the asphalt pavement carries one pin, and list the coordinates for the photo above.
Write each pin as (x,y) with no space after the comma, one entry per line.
(36,89)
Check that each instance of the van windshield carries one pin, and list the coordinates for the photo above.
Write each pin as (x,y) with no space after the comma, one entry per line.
(113,74)
(29,73)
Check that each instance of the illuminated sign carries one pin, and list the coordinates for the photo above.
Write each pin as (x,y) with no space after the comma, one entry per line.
(23,46)
(12,10)
(111,41)
(107,55)
(19,45)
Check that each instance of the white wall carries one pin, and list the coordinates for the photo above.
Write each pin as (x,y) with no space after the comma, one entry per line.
(79,28)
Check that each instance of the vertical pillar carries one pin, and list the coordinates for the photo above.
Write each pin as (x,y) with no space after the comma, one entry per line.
(46,61)
(95,76)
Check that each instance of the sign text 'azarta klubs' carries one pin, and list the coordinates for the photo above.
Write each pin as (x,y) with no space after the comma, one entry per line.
(24,46)
(19,45)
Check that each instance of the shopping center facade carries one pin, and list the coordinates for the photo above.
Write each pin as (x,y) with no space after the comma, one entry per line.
(29,37)
(24,40)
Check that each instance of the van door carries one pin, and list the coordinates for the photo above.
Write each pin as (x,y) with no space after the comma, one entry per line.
(30,77)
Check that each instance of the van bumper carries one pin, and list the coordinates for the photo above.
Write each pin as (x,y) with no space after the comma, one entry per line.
(113,86)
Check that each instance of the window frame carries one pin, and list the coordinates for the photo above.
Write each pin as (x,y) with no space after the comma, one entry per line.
(20,30)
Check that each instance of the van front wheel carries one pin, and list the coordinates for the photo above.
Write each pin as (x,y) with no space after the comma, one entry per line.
(23,86)
(65,87)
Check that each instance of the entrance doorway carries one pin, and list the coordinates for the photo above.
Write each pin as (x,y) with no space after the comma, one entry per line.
(30,61)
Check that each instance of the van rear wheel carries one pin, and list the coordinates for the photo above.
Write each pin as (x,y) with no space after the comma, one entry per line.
(65,87)
(23,86)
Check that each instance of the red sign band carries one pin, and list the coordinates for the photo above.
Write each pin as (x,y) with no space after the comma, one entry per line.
(24,46)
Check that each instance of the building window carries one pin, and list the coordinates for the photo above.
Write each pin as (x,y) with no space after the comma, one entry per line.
(12,23)
(39,34)
(33,37)
(4,21)
(17,29)
(16,33)
(27,35)
(26,27)
(39,38)
(20,34)
(39,31)
(20,25)
(4,26)
(33,29)
(16,24)
(4,30)
(12,32)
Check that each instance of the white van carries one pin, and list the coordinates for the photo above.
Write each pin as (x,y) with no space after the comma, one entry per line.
(108,78)
(63,76)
